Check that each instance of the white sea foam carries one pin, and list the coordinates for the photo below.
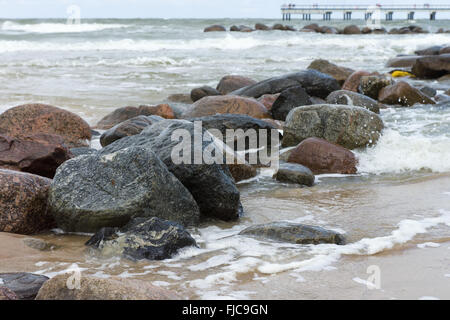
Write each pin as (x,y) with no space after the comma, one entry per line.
(428,245)
(57,27)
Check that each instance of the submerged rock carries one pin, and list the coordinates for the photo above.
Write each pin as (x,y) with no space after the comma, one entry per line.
(107,190)
(205,91)
(25,286)
(288,100)
(296,173)
(402,93)
(152,239)
(351,98)
(349,126)
(294,233)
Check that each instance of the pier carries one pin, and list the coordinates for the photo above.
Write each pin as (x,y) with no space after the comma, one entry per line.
(386,11)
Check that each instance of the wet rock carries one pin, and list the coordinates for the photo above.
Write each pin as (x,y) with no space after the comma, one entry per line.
(32,119)
(401,93)
(152,239)
(211,185)
(82,151)
(209,106)
(243,28)
(314,82)
(39,154)
(268,100)
(366,30)
(294,233)
(402,61)
(242,171)
(38,244)
(354,99)
(444,50)
(349,126)
(127,128)
(23,203)
(107,190)
(339,73)
(233,82)
(379,31)
(328,30)
(352,29)
(288,100)
(371,85)
(432,67)
(260,26)
(6,294)
(434,50)
(322,157)
(295,173)
(353,81)
(25,286)
(314,26)
(180,98)
(122,114)
(234,28)
(205,91)
(215,28)
(430,92)
(92,288)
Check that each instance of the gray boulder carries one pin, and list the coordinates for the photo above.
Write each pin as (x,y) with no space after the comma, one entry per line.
(354,99)
(289,99)
(348,126)
(24,285)
(296,173)
(107,190)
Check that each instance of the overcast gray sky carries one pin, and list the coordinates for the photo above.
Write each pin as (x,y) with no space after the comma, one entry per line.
(167,8)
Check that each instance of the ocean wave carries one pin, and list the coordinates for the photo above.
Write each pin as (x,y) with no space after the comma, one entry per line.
(57,27)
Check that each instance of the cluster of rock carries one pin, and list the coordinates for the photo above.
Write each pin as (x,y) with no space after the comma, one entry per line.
(314,27)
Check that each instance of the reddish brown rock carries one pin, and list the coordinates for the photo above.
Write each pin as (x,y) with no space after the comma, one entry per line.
(321,156)
(402,93)
(39,154)
(215,28)
(23,203)
(125,113)
(6,294)
(40,118)
(339,73)
(352,82)
(212,105)
(268,100)
(205,91)
(230,83)
(352,30)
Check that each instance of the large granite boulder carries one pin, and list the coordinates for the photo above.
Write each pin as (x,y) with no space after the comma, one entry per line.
(294,233)
(339,73)
(289,99)
(233,82)
(432,67)
(29,119)
(402,93)
(107,190)
(295,173)
(205,91)
(25,286)
(314,82)
(349,126)
(23,203)
(141,238)
(354,99)
(322,157)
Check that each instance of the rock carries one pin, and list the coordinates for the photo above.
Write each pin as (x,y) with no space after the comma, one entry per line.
(401,93)
(402,61)
(322,157)
(211,185)
(25,286)
(445,78)
(268,100)
(23,203)
(141,238)
(279,26)
(38,244)
(234,28)
(122,114)
(92,288)
(314,26)
(243,28)
(276,123)
(434,50)
(209,106)
(314,82)
(430,92)
(205,91)
(352,29)
(366,30)
(328,30)
(379,31)
(288,100)
(214,28)
(260,26)
(354,99)
(127,128)
(339,73)
(40,153)
(294,233)
(31,119)
(242,171)
(82,151)
(432,67)
(232,82)
(350,127)
(371,85)
(444,50)
(180,98)
(107,190)
(353,81)
(6,294)
(296,173)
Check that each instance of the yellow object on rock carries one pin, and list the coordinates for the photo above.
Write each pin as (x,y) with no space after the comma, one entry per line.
(398,74)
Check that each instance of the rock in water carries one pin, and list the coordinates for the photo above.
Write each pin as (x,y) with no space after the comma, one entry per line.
(352,82)
(205,91)
(7,294)
(152,239)
(296,173)
(402,62)
(372,85)
(402,93)
(107,190)
(211,185)
(314,82)
(339,73)
(354,99)
(352,30)
(30,119)
(294,233)
(289,99)
(23,203)
(215,28)
(230,83)
(432,67)
(429,51)
(24,285)
(92,288)
(350,127)
(39,154)
(322,156)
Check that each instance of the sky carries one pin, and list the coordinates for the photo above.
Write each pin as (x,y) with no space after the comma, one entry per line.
(167,8)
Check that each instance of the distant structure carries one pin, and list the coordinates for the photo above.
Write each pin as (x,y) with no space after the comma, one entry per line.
(346,10)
